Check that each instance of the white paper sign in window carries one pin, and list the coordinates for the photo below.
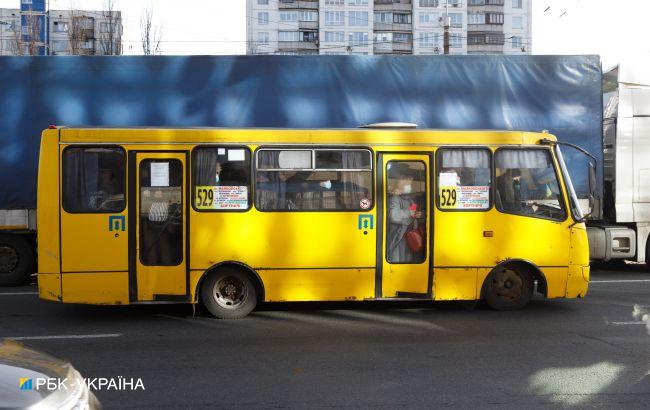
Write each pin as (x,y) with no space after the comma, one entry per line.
(159,173)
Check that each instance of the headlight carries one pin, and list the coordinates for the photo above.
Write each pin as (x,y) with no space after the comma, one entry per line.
(76,396)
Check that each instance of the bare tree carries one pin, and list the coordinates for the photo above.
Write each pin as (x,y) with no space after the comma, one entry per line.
(110,37)
(80,33)
(150,34)
(29,42)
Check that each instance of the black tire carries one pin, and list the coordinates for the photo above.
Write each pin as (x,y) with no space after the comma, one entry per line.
(16,260)
(229,293)
(508,288)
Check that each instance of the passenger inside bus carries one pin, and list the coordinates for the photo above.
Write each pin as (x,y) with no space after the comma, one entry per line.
(405,211)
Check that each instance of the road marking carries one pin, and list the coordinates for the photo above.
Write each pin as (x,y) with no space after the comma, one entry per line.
(18,293)
(620,281)
(634,322)
(97,336)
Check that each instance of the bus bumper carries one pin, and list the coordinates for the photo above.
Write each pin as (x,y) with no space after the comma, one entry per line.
(577,281)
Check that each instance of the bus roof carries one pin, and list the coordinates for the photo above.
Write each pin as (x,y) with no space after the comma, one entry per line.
(256,136)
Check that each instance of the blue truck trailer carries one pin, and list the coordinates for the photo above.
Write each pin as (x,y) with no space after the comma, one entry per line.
(561,94)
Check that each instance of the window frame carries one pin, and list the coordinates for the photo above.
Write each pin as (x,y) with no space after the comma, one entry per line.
(313,148)
(251,169)
(557,176)
(438,163)
(63,183)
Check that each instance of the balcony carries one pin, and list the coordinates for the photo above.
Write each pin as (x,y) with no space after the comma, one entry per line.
(298,5)
(308,25)
(297,45)
(393,48)
(406,7)
(392,27)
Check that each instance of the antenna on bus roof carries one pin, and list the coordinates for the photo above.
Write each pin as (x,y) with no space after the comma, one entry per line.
(389,125)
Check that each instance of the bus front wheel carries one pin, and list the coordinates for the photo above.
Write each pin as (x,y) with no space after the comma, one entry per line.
(229,293)
(508,288)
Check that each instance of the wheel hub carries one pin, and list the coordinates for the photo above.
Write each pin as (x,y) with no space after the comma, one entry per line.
(508,284)
(229,292)
(8,259)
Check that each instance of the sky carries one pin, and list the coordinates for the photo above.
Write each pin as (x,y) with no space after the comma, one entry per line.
(611,29)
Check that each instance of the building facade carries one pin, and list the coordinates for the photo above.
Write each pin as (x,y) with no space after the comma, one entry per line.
(34,30)
(388,26)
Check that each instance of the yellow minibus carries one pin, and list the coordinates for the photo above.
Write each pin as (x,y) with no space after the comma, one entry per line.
(234,217)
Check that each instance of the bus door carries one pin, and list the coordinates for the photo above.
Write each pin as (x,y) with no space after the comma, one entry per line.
(158,244)
(405,238)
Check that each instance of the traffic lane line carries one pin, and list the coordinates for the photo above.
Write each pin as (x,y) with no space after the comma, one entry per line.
(52,337)
(631,322)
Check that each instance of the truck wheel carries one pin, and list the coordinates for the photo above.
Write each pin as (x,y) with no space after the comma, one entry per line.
(229,293)
(16,260)
(508,288)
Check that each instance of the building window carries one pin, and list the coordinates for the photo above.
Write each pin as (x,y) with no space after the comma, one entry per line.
(222,178)
(456,19)
(309,36)
(308,16)
(334,36)
(455,41)
(494,18)
(402,37)
(516,4)
(358,18)
(517,22)
(60,46)
(335,2)
(263,2)
(263,37)
(494,38)
(263,18)
(474,38)
(401,18)
(526,184)
(430,40)
(383,38)
(385,17)
(494,2)
(108,27)
(454,3)
(428,3)
(289,36)
(464,179)
(476,18)
(93,180)
(358,2)
(427,18)
(288,16)
(26,1)
(334,18)
(516,42)
(60,27)
(476,2)
(358,38)
(321,179)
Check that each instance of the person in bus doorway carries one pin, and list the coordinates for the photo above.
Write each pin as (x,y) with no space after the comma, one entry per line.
(403,212)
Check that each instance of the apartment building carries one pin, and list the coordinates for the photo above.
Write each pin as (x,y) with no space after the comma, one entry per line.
(34,30)
(388,26)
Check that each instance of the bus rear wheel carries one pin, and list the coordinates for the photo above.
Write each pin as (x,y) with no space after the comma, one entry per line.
(508,288)
(229,293)
(16,260)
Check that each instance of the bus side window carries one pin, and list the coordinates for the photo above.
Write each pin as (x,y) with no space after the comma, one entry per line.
(464,179)
(93,180)
(527,184)
(222,180)
(320,179)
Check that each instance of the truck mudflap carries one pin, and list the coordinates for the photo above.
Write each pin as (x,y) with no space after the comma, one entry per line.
(577,281)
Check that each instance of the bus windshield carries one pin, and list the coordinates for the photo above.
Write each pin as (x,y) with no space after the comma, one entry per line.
(573,198)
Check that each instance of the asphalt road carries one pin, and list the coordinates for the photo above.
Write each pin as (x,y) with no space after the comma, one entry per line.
(587,353)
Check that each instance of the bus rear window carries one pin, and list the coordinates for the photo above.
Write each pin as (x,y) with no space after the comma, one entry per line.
(93,180)
(321,179)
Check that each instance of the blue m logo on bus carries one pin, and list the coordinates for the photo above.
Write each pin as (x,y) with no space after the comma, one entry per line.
(116,223)
(366,221)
